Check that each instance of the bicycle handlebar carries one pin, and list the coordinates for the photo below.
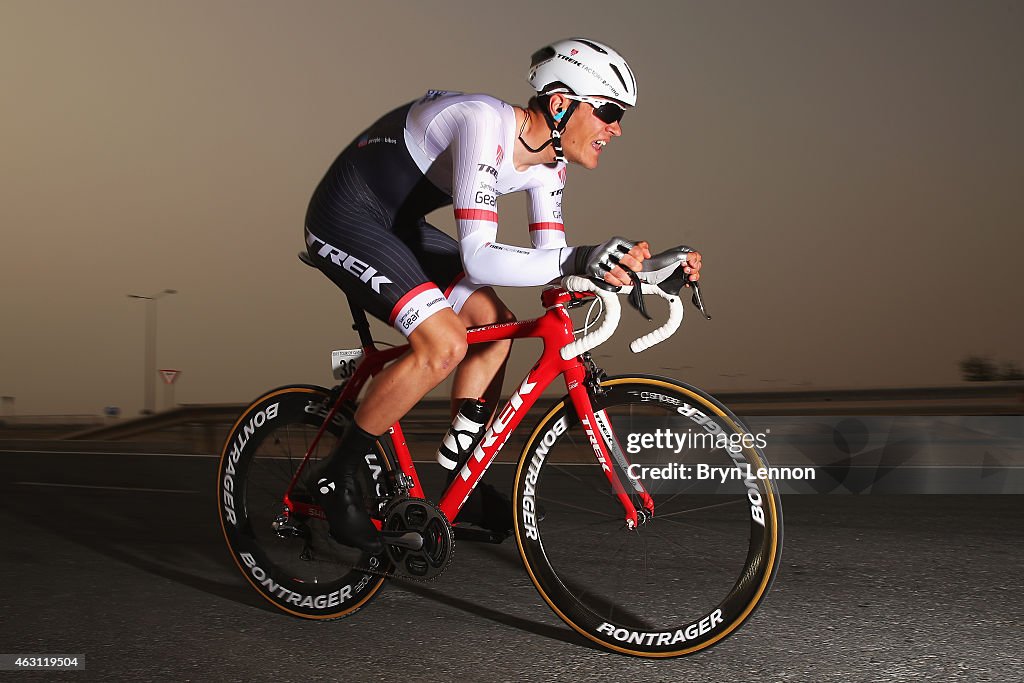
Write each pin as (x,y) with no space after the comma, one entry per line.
(612,313)
(675,319)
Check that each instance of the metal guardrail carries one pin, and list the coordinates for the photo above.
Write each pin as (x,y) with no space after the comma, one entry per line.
(431,416)
(182,415)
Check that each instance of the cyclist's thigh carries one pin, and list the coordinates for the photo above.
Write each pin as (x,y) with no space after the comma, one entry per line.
(439,254)
(377,271)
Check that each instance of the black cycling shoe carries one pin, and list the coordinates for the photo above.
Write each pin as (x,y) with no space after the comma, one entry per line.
(350,524)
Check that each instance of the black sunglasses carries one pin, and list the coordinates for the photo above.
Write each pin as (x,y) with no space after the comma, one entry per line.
(606,110)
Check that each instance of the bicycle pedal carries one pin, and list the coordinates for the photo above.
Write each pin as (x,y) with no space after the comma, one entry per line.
(289,528)
(475,535)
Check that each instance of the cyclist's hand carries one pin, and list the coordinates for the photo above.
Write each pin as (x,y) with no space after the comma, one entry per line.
(606,261)
(632,259)
(691,266)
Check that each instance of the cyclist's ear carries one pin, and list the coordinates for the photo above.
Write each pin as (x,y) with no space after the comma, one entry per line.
(557,105)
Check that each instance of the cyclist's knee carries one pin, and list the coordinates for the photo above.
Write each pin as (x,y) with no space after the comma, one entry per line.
(439,343)
(448,354)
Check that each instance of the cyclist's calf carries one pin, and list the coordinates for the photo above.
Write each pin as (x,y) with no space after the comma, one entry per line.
(484,307)
(482,371)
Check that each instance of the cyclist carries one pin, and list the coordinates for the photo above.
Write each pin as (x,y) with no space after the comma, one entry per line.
(365,229)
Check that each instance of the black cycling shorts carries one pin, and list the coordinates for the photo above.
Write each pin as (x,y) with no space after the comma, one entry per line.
(366,231)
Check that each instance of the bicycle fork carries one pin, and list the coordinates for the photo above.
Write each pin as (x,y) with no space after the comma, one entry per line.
(608,451)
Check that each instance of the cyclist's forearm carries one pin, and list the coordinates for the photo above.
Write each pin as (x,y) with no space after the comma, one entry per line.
(493,263)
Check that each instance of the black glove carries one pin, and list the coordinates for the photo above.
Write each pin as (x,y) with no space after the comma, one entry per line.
(595,261)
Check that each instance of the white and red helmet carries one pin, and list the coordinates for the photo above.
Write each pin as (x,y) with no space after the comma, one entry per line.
(584,67)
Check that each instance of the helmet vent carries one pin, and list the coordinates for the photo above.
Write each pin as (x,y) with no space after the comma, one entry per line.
(621,79)
(592,46)
(542,55)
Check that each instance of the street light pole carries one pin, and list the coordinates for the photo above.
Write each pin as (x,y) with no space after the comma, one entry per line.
(149,374)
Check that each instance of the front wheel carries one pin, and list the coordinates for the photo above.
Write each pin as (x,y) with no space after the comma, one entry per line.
(286,553)
(710,535)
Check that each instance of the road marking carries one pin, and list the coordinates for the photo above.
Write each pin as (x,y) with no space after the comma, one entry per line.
(177,455)
(105,488)
(74,452)
(506,462)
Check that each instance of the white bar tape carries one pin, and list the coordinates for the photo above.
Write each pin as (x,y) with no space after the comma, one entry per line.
(675,319)
(612,311)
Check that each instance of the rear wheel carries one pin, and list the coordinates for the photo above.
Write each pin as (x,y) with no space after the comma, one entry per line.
(286,554)
(697,566)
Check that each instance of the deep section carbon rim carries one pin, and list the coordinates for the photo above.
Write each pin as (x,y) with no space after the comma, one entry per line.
(689,575)
(289,558)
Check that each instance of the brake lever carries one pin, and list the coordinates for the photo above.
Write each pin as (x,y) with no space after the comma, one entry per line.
(697,300)
(636,295)
(674,284)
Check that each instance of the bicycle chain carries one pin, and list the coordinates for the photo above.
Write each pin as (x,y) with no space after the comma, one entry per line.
(394,574)
(384,503)
(403,484)
(398,506)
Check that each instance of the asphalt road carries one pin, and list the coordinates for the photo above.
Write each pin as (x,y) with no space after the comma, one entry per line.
(120,558)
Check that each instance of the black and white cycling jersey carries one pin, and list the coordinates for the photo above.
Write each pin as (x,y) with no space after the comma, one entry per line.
(365,225)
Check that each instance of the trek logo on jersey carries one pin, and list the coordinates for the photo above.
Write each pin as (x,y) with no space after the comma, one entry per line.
(489,169)
(561,174)
(500,156)
(359,269)
(573,52)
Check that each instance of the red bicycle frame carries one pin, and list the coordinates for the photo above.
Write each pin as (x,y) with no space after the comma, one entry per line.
(555,328)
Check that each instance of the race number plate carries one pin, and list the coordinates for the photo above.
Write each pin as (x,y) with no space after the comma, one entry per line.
(345,361)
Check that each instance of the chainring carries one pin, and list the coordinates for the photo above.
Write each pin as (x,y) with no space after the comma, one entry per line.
(427,520)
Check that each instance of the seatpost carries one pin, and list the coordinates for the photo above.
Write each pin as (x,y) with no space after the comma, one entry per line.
(360,324)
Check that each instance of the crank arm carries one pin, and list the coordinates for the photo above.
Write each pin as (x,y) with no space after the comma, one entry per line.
(409,540)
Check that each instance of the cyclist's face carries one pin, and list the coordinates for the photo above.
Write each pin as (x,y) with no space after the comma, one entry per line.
(586,136)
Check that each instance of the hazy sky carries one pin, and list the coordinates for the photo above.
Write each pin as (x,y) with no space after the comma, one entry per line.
(852,171)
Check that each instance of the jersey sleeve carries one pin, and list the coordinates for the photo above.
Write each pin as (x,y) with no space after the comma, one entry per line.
(544,207)
(476,132)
